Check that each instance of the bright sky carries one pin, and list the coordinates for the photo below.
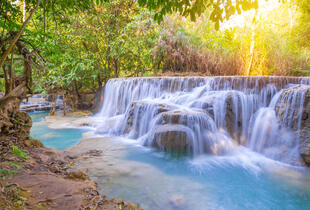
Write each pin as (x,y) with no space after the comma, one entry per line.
(239,20)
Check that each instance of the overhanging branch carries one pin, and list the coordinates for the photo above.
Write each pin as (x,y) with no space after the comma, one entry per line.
(7,52)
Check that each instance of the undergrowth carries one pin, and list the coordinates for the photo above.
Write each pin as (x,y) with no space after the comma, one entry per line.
(12,196)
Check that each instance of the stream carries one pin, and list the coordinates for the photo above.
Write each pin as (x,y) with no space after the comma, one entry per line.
(156,180)
(240,176)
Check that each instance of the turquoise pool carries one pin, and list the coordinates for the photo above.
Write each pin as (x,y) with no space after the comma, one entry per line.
(156,180)
(55,138)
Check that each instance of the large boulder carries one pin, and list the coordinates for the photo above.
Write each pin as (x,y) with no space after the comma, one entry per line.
(225,107)
(140,114)
(173,129)
(183,131)
(172,138)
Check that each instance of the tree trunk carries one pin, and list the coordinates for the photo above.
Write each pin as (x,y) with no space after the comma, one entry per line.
(14,122)
(28,73)
(99,82)
(6,81)
(115,60)
(17,93)
(54,103)
(11,74)
(64,103)
(252,47)
(76,88)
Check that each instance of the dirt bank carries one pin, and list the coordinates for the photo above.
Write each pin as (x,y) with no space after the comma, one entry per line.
(44,178)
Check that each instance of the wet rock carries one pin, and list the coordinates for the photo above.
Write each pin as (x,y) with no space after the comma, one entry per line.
(187,118)
(232,119)
(304,147)
(223,107)
(175,117)
(72,156)
(174,138)
(290,114)
(94,152)
(177,201)
(81,113)
(79,174)
(84,121)
(139,109)
(33,143)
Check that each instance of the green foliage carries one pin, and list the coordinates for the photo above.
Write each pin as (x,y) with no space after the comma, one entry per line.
(14,165)
(221,10)
(115,39)
(196,47)
(7,173)
(12,168)
(41,35)
(302,29)
(84,43)
(2,89)
(276,49)
(18,153)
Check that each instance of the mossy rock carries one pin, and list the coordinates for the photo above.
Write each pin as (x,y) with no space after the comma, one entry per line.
(77,175)
(82,113)
(33,143)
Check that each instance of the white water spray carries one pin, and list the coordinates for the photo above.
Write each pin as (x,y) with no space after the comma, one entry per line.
(213,115)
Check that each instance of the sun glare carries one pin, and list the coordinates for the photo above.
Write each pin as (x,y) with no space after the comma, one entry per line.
(240,20)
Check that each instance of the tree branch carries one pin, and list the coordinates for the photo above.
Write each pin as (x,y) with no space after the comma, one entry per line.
(7,52)
(17,92)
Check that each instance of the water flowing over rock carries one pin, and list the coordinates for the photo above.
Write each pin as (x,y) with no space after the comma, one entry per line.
(293,110)
(198,115)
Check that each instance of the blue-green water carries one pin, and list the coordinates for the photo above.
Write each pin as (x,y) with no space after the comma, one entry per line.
(243,180)
(54,138)
(155,180)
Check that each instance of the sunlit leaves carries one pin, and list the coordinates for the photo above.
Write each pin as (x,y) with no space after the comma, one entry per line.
(114,36)
(302,29)
(221,9)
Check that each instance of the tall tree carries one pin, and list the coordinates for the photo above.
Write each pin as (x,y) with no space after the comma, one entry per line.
(16,40)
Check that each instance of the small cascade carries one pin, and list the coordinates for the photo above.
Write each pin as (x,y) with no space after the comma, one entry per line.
(276,128)
(199,115)
(267,136)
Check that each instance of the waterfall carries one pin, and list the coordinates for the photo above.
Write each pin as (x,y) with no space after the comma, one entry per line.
(200,115)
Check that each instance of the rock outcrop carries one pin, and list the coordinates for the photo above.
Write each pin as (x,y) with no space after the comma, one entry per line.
(18,124)
(304,147)
(223,107)
(174,129)
(138,111)
(293,109)
(173,138)
(214,113)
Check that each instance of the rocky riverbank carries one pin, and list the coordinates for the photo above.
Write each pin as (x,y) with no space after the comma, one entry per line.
(35,177)
(87,100)
(46,180)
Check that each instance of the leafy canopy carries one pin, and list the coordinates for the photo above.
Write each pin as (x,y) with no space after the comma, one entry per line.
(220,9)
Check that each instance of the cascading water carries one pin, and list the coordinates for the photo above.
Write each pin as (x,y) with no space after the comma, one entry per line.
(208,114)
